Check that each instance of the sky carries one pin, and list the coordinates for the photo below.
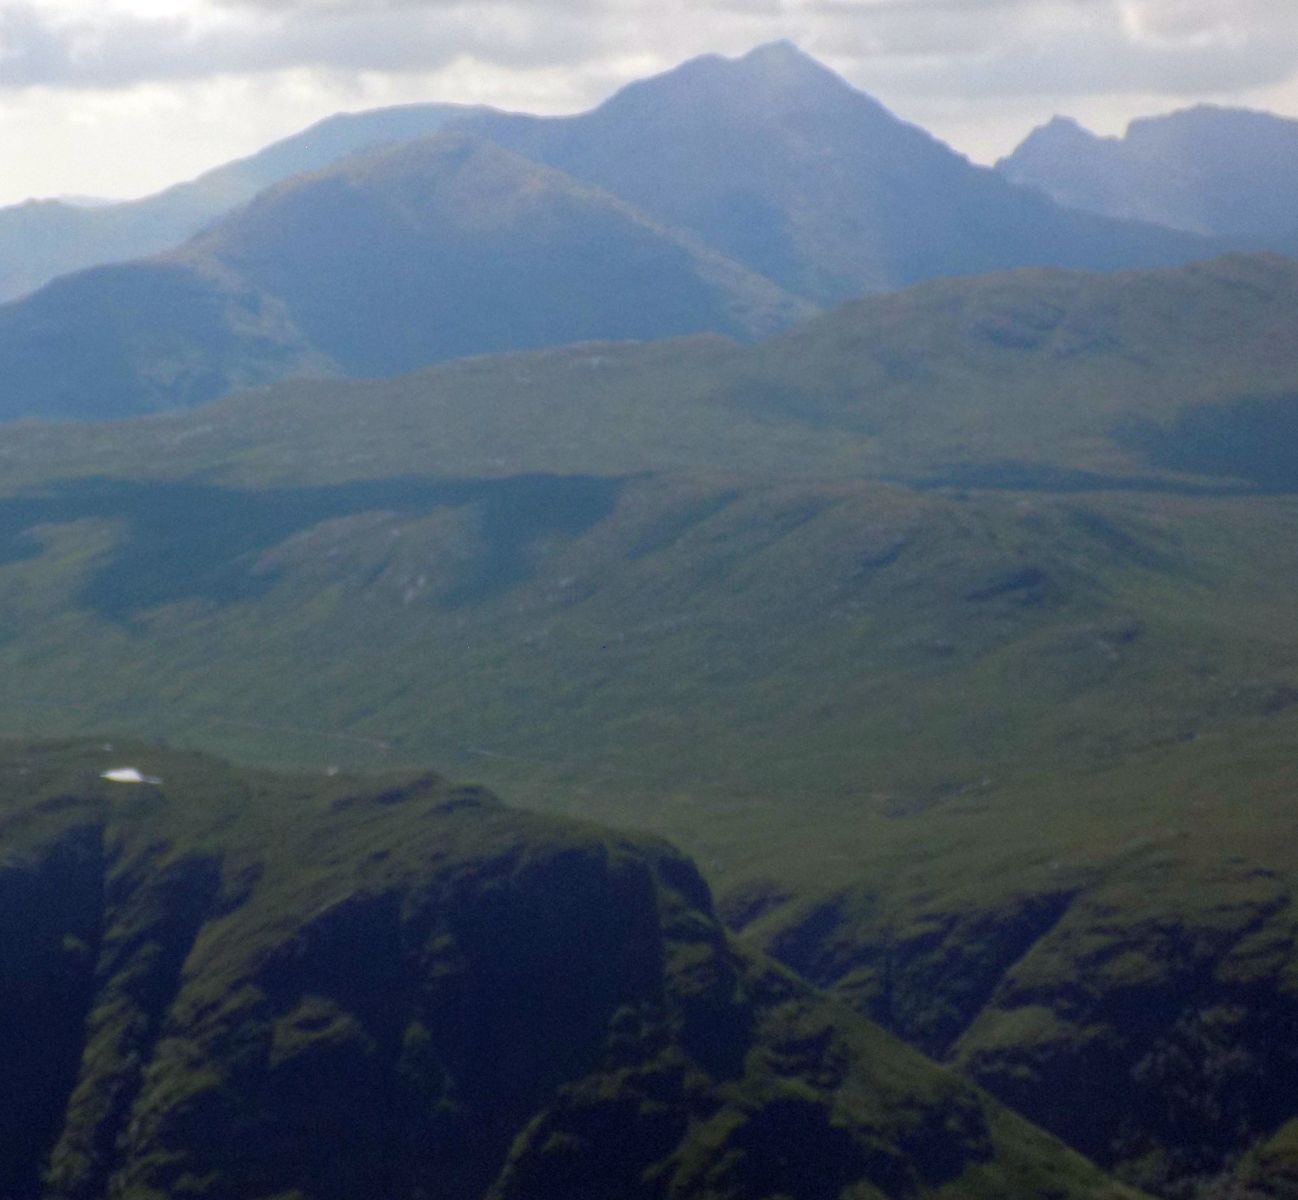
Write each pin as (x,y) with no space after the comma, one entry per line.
(119,98)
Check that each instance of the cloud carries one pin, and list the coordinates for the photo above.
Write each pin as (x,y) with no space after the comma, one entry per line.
(921,47)
(1061,47)
(36,50)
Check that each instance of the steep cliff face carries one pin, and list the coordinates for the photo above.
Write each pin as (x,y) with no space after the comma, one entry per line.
(236,986)
(51,920)
(1160,1032)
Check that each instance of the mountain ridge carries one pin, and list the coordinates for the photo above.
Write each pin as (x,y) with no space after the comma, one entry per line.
(43,239)
(427,250)
(1209,169)
(769,160)
(224,984)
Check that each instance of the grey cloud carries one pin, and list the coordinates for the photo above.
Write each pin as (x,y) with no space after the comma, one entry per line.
(969,48)
(367,8)
(973,48)
(1085,66)
(35,51)
(1184,19)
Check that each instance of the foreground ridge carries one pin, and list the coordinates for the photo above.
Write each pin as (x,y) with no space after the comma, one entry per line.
(232,984)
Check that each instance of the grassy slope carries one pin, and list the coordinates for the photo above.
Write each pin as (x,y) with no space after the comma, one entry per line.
(1061,375)
(947,750)
(235,984)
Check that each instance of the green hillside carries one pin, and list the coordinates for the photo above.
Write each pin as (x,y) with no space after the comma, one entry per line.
(952,634)
(1049,380)
(225,984)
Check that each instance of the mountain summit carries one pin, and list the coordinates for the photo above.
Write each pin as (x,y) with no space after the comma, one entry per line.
(774,77)
(782,165)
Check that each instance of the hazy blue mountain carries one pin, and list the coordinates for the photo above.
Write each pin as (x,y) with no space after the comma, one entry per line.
(782,165)
(42,239)
(730,196)
(771,158)
(78,201)
(406,256)
(1223,171)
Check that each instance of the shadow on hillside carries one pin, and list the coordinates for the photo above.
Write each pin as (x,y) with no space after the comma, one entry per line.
(198,541)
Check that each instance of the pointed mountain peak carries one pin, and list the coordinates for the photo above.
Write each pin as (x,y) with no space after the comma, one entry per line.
(783,64)
(1062,124)
(776,75)
(1058,136)
(781,55)
(1060,130)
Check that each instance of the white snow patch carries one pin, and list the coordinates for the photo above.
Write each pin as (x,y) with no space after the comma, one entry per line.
(128,775)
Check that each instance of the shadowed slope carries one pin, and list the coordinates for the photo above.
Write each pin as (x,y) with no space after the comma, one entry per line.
(451,246)
(326,989)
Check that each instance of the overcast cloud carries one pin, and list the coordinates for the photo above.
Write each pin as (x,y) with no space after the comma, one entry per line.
(121,96)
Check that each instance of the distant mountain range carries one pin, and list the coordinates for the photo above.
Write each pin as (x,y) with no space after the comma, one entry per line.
(732,196)
(771,158)
(779,163)
(1217,171)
